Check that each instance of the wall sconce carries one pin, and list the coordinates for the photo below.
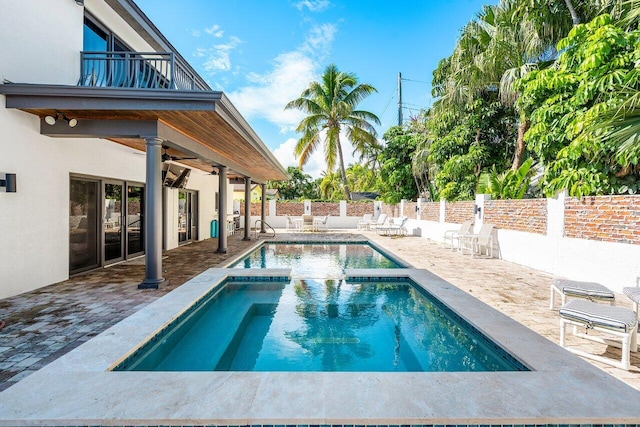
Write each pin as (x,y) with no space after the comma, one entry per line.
(417,208)
(307,208)
(9,182)
(477,210)
(378,208)
(51,120)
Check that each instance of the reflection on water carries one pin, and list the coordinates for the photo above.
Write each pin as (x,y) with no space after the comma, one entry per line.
(319,322)
(316,260)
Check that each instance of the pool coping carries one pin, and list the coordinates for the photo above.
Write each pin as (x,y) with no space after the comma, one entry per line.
(78,388)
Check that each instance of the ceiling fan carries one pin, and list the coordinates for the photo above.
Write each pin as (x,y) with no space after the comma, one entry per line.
(166,157)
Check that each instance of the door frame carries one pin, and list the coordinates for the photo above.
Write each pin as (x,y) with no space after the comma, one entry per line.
(101,181)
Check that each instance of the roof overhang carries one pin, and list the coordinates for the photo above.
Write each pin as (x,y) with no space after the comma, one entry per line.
(200,124)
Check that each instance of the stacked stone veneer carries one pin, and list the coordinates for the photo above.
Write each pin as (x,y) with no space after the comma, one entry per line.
(605,218)
(528,215)
(430,211)
(359,208)
(256,209)
(458,212)
(325,208)
(289,208)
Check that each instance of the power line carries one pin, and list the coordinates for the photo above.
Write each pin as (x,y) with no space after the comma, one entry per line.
(417,81)
(388,103)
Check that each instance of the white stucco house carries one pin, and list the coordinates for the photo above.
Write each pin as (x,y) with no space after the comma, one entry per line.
(112,145)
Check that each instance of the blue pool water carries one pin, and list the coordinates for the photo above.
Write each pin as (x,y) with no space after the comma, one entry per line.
(317,260)
(319,322)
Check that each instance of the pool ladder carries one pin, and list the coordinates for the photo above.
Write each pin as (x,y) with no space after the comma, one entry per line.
(272,232)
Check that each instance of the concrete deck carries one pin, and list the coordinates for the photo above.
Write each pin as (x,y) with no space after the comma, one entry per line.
(35,322)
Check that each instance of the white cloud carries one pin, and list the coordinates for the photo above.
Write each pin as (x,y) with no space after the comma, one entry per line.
(215,31)
(195,33)
(219,56)
(313,5)
(316,165)
(291,74)
(320,38)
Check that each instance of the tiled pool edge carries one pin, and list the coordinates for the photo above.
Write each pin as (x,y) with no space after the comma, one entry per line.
(76,389)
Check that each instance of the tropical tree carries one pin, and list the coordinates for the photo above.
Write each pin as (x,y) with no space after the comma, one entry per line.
(299,185)
(331,111)
(509,184)
(396,173)
(591,80)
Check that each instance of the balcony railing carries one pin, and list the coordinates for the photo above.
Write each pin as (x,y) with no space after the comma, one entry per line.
(151,70)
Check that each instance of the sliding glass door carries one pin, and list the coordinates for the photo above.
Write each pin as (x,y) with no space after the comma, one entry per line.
(135,220)
(187,220)
(84,220)
(106,222)
(113,222)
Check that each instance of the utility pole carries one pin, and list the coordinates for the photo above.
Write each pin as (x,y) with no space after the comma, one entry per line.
(399,99)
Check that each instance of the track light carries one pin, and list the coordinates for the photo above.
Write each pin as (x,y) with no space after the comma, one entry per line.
(214,171)
(51,120)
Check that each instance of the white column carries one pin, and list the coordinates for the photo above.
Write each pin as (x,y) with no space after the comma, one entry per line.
(555,215)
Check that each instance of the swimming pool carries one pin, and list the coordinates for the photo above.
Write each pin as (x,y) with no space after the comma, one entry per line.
(313,260)
(318,322)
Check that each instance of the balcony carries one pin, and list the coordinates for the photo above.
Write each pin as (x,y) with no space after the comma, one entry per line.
(141,70)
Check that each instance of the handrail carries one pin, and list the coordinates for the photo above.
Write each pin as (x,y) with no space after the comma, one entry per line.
(255,227)
(152,70)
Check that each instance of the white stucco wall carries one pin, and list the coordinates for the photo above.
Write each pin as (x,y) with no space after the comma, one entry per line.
(40,41)
(35,219)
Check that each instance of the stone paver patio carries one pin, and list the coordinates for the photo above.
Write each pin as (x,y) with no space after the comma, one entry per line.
(44,324)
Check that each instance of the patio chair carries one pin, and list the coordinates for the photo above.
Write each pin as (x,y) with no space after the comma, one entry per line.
(291,223)
(378,222)
(396,226)
(307,223)
(454,235)
(480,243)
(321,223)
(364,223)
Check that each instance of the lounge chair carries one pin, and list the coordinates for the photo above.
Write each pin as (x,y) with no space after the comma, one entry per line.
(480,243)
(587,290)
(619,322)
(378,222)
(396,226)
(633,292)
(454,235)
(364,223)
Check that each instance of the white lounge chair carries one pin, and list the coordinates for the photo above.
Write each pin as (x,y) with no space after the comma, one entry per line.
(364,223)
(454,235)
(396,226)
(378,222)
(619,322)
(480,243)
(587,290)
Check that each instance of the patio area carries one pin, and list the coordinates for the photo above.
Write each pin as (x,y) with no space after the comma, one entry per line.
(47,323)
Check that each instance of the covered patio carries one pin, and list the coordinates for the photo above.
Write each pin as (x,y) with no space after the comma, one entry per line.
(200,129)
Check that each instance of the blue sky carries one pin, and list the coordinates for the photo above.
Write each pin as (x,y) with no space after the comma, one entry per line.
(263,53)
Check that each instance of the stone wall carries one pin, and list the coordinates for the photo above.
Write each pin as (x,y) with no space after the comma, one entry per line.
(430,211)
(359,208)
(605,218)
(528,215)
(325,208)
(459,212)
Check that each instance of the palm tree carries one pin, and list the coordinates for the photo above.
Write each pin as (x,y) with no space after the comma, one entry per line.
(330,106)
